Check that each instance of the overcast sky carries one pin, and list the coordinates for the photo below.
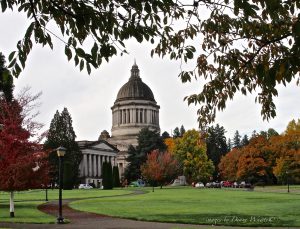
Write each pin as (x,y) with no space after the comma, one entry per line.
(90,97)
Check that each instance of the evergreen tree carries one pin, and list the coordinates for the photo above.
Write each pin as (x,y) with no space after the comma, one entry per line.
(6,80)
(254,134)
(68,176)
(182,130)
(147,141)
(107,176)
(176,133)
(165,135)
(229,145)
(272,132)
(245,140)
(132,170)
(216,144)
(237,140)
(61,133)
(116,176)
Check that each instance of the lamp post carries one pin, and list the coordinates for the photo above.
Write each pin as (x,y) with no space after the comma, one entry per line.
(60,153)
(287,181)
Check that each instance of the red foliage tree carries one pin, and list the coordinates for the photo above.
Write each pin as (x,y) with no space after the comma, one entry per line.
(160,167)
(22,164)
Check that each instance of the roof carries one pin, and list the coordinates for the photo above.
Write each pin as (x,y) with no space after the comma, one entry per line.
(90,144)
(135,88)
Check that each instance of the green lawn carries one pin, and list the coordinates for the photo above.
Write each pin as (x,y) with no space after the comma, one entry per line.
(206,206)
(25,212)
(26,203)
(40,195)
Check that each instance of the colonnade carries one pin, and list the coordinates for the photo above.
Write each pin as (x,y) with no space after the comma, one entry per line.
(92,164)
(135,115)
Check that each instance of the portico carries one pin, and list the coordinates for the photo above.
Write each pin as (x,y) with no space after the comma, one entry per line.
(94,154)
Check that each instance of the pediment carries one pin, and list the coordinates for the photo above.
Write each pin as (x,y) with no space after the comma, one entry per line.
(103,145)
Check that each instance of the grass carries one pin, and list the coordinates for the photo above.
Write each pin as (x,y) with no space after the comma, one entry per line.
(40,195)
(25,212)
(202,206)
(26,203)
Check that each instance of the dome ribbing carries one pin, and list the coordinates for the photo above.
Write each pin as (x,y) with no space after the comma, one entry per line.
(135,88)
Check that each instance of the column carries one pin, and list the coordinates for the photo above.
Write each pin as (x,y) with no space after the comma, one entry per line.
(134,115)
(145,116)
(99,165)
(90,165)
(95,165)
(85,165)
(128,116)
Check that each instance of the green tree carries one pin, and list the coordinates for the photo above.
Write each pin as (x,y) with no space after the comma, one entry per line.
(182,130)
(245,140)
(247,46)
(176,133)
(147,141)
(190,150)
(165,135)
(107,175)
(61,133)
(229,145)
(237,139)
(68,176)
(116,176)
(108,23)
(216,144)
(132,170)
(6,80)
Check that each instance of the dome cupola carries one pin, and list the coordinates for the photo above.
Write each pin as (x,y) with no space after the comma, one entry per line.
(135,108)
(135,88)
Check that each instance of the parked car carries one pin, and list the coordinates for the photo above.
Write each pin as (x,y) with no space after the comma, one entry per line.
(216,184)
(226,184)
(208,185)
(138,183)
(199,185)
(85,186)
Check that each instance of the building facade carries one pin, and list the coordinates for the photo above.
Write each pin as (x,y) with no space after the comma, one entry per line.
(94,154)
(134,109)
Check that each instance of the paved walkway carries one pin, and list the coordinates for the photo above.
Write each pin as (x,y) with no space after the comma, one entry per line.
(87,220)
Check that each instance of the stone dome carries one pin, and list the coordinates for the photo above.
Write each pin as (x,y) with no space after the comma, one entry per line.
(135,88)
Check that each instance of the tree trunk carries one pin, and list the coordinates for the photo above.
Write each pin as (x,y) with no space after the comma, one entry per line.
(12,204)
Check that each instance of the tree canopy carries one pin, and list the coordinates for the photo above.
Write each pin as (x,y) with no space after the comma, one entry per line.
(61,133)
(190,151)
(148,141)
(246,46)
(6,80)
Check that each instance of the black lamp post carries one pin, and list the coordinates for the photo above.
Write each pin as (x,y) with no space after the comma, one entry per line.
(60,153)
(287,180)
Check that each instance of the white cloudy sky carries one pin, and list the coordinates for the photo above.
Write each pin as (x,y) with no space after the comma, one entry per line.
(90,97)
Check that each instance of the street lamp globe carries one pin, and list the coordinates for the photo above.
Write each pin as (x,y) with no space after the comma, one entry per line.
(61,151)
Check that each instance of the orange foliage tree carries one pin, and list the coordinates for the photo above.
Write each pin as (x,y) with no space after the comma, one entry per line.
(170,143)
(228,165)
(268,160)
(160,168)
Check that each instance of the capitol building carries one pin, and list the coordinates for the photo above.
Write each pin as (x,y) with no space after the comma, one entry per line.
(135,108)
